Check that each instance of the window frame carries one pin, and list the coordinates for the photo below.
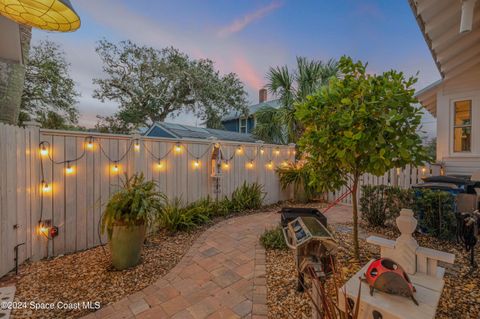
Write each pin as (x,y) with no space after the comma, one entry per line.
(240,126)
(455,126)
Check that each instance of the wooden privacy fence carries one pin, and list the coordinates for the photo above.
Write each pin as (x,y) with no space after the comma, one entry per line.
(403,178)
(67,178)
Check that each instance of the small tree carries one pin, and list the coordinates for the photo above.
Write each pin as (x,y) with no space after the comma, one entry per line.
(360,123)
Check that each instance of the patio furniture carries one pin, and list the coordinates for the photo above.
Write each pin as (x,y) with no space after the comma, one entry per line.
(420,263)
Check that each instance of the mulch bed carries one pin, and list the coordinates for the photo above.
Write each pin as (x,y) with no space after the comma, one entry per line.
(460,297)
(88,276)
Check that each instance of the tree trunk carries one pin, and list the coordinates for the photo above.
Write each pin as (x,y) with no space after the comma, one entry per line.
(356,248)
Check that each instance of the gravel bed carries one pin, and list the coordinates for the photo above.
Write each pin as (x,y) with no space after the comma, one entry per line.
(88,275)
(460,297)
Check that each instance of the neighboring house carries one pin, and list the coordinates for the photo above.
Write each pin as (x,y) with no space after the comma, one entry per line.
(452,32)
(180,131)
(237,122)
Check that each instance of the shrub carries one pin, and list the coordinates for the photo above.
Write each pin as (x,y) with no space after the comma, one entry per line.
(273,239)
(245,197)
(175,217)
(436,213)
(381,204)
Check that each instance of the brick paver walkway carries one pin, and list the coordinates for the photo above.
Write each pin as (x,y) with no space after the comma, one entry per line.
(221,276)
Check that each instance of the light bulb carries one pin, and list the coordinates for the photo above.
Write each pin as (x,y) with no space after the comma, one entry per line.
(277,151)
(178,147)
(45,187)
(250,164)
(115,168)
(270,165)
(160,164)
(196,164)
(43,150)
(69,169)
(226,164)
(137,146)
(90,143)
(262,150)
(239,149)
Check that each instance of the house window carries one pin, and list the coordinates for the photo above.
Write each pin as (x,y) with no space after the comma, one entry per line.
(462,126)
(243,125)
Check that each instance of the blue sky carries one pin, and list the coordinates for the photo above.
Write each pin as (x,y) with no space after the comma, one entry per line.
(247,37)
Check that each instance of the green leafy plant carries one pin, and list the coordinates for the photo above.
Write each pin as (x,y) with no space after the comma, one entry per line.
(360,123)
(381,204)
(273,239)
(175,217)
(247,196)
(435,212)
(136,202)
(299,177)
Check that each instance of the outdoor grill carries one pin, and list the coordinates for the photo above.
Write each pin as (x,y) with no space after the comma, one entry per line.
(314,246)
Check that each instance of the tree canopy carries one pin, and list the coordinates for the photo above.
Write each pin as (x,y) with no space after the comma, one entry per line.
(360,123)
(151,84)
(291,87)
(49,94)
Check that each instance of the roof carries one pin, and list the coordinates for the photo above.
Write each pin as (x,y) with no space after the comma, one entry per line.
(252,109)
(180,131)
(453,52)
(428,96)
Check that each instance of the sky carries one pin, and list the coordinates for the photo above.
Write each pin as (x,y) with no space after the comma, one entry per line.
(247,37)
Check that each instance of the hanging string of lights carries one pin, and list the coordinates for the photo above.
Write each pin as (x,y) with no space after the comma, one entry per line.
(49,231)
(90,141)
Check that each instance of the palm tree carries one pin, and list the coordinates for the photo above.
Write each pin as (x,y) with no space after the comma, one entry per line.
(291,86)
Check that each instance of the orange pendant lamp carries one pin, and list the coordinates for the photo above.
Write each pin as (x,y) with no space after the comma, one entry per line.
(50,15)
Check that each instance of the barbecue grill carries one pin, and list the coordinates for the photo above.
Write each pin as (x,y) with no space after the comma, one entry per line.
(313,245)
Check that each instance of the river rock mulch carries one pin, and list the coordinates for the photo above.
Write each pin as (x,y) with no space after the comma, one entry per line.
(88,276)
(460,298)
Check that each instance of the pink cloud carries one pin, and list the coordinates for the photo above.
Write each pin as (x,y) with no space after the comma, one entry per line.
(241,23)
(247,72)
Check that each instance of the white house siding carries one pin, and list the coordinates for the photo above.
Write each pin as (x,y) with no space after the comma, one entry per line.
(463,87)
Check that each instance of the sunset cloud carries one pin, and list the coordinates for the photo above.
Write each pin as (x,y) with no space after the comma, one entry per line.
(241,23)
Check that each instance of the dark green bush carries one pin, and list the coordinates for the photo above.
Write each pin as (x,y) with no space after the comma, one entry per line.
(381,204)
(175,216)
(247,196)
(435,211)
(273,239)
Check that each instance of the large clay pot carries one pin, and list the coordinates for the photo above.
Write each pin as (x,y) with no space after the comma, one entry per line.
(126,244)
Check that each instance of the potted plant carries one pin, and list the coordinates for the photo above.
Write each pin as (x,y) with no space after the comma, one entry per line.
(127,214)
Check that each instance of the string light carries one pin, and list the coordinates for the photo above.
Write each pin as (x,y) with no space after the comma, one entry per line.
(43,150)
(226,164)
(277,151)
(178,147)
(69,169)
(160,164)
(262,150)
(115,168)
(46,187)
(250,164)
(239,149)
(196,163)
(137,145)
(90,143)
(270,165)
(424,170)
